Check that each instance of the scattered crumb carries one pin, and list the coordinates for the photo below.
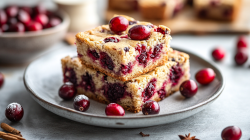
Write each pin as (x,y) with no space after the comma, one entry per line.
(144,135)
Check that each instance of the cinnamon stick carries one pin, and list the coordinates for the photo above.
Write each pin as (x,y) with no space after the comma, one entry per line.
(20,138)
(5,136)
(10,129)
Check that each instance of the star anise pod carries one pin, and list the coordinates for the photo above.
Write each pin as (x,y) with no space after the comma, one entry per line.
(187,137)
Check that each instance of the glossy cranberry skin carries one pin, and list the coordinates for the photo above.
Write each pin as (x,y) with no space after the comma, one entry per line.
(67,91)
(150,107)
(11,11)
(39,9)
(218,54)
(81,103)
(54,21)
(205,76)
(242,42)
(231,133)
(139,32)
(114,109)
(1,79)
(188,88)
(26,9)
(3,17)
(14,112)
(241,56)
(118,24)
(23,17)
(18,27)
(42,18)
(34,26)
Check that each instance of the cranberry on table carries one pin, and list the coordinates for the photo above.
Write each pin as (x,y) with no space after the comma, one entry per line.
(54,21)
(18,27)
(242,42)
(23,17)
(14,112)
(139,32)
(67,91)
(11,11)
(218,54)
(205,76)
(150,107)
(34,26)
(114,109)
(241,57)
(231,133)
(118,24)
(42,18)
(3,17)
(188,88)
(81,103)
(1,79)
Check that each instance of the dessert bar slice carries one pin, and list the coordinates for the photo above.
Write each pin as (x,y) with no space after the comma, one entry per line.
(217,9)
(155,85)
(126,5)
(119,56)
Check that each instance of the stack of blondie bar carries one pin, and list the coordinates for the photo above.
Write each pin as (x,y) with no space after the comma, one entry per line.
(113,68)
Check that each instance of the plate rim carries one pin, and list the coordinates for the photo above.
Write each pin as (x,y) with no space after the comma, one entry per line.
(209,100)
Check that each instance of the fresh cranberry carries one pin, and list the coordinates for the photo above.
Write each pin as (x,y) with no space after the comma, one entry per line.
(132,22)
(23,17)
(231,133)
(67,91)
(106,61)
(69,76)
(11,11)
(149,90)
(3,17)
(241,57)
(14,112)
(161,30)
(150,108)
(118,24)
(242,42)
(12,21)
(125,69)
(26,9)
(139,32)
(175,74)
(34,26)
(39,9)
(114,92)
(162,93)
(157,51)
(1,79)
(5,28)
(42,18)
(87,83)
(111,39)
(18,27)
(205,76)
(81,103)
(93,54)
(54,21)
(218,54)
(114,109)
(188,88)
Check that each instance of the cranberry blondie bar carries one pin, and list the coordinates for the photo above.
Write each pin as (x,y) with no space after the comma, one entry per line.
(155,85)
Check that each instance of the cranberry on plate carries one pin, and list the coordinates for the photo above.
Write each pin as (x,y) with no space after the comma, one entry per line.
(150,107)
(23,17)
(205,76)
(241,56)
(139,32)
(242,42)
(231,133)
(1,79)
(114,109)
(81,103)
(14,112)
(42,18)
(188,88)
(67,91)
(218,54)
(118,24)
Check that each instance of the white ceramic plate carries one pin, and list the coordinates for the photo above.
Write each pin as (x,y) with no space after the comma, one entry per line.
(43,78)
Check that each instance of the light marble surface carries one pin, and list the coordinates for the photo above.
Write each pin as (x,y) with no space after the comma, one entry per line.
(231,108)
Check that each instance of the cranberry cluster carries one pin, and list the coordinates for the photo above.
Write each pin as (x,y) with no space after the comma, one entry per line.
(22,18)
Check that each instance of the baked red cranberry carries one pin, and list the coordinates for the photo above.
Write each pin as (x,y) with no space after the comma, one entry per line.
(3,17)
(188,88)
(23,17)
(218,54)
(67,91)
(113,92)
(34,26)
(149,90)
(81,103)
(106,61)
(39,9)
(18,27)
(150,107)
(14,112)
(139,32)
(231,133)
(54,21)
(111,39)
(1,79)
(118,24)
(114,109)
(242,42)
(161,30)
(11,11)
(42,18)
(205,76)
(26,9)
(241,56)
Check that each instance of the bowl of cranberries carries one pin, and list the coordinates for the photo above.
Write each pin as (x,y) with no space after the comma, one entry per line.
(27,31)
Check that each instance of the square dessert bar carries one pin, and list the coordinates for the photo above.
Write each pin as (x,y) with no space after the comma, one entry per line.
(126,5)
(160,9)
(131,95)
(217,9)
(119,56)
